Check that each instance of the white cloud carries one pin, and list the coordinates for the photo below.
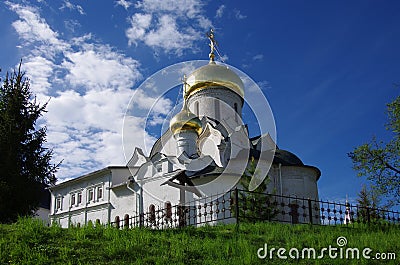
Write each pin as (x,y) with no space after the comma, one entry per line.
(125,4)
(224,58)
(40,71)
(167,36)
(264,85)
(156,25)
(90,85)
(32,28)
(140,23)
(220,11)
(158,106)
(204,23)
(188,8)
(99,67)
(86,130)
(70,6)
(71,25)
(258,57)
(239,15)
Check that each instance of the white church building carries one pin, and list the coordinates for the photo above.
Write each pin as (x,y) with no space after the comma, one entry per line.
(203,153)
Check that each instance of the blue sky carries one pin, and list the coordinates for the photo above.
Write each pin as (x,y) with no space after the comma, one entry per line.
(327,69)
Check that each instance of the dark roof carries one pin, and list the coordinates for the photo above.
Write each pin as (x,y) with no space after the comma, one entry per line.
(286,158)
(209,170)
(283,157)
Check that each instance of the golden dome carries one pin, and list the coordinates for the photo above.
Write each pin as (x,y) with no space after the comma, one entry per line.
(185,121)
(213,74)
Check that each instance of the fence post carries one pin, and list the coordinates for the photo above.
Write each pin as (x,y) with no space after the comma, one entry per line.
(310,211)
(237,205)
(141,220)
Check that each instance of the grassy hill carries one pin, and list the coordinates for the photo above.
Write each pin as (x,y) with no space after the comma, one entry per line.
(29,242)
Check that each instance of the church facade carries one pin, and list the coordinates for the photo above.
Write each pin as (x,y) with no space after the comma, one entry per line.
(204,152)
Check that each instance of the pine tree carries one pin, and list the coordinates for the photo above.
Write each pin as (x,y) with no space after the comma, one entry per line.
(368,202)
(257,204)
(25,166)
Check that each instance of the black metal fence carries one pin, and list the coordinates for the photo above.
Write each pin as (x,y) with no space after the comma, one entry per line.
(239,205)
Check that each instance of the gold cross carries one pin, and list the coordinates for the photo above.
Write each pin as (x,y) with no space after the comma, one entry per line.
(213,44)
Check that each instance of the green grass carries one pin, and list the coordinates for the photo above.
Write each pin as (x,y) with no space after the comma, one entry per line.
(29,242)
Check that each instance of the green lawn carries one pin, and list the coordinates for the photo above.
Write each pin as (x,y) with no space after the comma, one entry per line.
(29,242)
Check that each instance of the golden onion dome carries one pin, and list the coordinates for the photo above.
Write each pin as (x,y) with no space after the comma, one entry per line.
(185,120)
(211,75)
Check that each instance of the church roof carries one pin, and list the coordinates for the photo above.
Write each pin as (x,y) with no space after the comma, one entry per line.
(185,120)
(212,75)
(287,158)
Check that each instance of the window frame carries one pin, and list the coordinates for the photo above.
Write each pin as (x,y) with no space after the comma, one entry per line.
(99,193)
(58,204)
(73,199)
(79,198)
(90,195)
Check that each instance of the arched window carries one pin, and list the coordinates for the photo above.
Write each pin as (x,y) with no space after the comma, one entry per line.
(235,106)
(116,221)
(168,210)
(126,221)
(196,108)
(97,222)
(217,109)
(152,213)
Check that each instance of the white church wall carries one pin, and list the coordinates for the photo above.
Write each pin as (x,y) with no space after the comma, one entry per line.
(154,193)
(121,174)
(299,181)
(77,218)
(98,213)
(169,146)
(123,202)
(43,215)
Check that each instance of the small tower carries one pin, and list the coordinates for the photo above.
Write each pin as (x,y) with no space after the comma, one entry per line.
(186,128)
(214,90)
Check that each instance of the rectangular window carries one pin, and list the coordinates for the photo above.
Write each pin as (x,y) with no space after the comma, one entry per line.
(91,195)
(73,199)
(58,204)
(79,197)
(99,192)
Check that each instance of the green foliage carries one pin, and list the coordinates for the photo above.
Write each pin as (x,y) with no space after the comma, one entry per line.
(25,166)
(379,161)
(368,202)
(30,242)
(258,204)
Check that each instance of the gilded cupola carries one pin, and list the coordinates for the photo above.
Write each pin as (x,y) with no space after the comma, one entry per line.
(185,121)
(213,75)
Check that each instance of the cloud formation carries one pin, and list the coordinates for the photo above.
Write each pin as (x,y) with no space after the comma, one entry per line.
(220,11)
(67,4)
(89,85)
(156,25)
(124,3)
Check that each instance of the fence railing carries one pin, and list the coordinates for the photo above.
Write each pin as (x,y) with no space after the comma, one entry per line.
(238,205)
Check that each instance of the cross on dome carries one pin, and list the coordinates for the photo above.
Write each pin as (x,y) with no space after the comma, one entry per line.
(213,44)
